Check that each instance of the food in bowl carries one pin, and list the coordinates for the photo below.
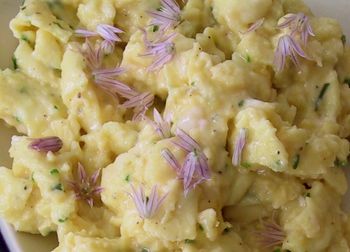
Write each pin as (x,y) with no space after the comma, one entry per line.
(178,126)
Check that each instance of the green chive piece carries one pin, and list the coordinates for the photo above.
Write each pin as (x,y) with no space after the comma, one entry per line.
(241,103)
(343,39)
(295,161)
(55,107)
(145,250)
(189,241)
(17,119)
(308,195)
(54,172)
(24,38)
(193,83)
(246,165)
(347,81)
(62,219)
(14,63)
(277,250)
(127,178)
(57,187)
(226,230)
(321,95)
(340,163)
(155,28)
(201,227)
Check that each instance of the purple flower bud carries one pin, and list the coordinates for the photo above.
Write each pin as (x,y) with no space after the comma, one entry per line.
(46,144)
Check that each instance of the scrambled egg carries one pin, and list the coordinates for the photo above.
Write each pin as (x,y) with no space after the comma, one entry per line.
(220,80)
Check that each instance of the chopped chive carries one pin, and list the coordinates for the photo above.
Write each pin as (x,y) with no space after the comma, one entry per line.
(193,83)
(127,178)
(347,81)
(246,165)
(23,90)
(145,250)
(321,95)
(54,171)
(295,161)
(25,188)
(24,38)
(343,39)
(155,28)
(226,230)
(339,163)
(17,119)
(62,220)
(201,227)
(23,8)
(241,103)
(57,187)
(33,177)
(14,62)
(248,58)
(308,195)
(277,250)
(189,241)
(55,107)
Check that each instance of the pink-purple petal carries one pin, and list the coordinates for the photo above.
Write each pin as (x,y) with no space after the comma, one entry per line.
(46,144)
(238,148)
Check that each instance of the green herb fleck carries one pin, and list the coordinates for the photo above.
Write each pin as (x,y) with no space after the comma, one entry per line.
(277,250)
(295,161)
(321,95)
(54,171)
(241,103)
(23,90)
(189,241)
(25,187)
(201,227)
(14,62)
(308,195)
(127,178)
(340,163)
(226,230)
(58,24)
(155,28)
(145,250)
(347,81)
(33,177)
(23,8)
(248,58)
(18,119)
(55,107)
(193,83)
(246,165)
(343,39)
(58,187)
(279,163)
(24,38)
(62,219)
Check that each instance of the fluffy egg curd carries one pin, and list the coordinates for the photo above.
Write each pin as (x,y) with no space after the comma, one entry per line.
(170,125)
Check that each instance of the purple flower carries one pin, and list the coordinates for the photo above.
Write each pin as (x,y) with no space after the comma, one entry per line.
(255,26)
(140,103)
(287,46)
(108,32)
(167,16)
(271,234)
(172,161)
(162,50)
(46,144)
(86,188)
(146,206)
(161,126)
(104,78)
(299,24)
(195,168)
(239,145)
(92,55)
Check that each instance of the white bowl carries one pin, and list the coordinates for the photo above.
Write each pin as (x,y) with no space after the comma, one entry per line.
(21,242)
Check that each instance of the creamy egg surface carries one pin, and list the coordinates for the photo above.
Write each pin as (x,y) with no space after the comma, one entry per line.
(220,80)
